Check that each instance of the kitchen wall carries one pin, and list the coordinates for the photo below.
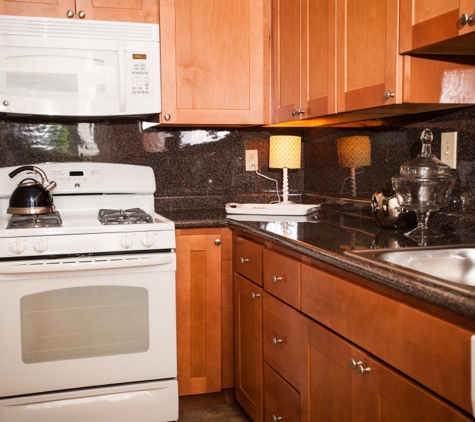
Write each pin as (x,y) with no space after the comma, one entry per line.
(205,167)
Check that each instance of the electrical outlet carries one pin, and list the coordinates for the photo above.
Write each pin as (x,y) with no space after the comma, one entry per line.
(448,149)
(251,160)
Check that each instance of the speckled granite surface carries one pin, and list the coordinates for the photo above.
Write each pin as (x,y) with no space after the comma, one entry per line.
(328,234)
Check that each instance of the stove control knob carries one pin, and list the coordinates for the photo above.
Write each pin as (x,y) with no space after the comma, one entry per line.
(148,240)
(127,241)
(18,246)
(40,245)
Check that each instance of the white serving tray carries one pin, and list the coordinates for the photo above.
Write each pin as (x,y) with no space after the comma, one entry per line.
(271,209)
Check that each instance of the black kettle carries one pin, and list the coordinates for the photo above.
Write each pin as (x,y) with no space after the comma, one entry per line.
(31,196)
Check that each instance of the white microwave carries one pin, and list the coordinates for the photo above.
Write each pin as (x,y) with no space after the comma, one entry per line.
(62,67)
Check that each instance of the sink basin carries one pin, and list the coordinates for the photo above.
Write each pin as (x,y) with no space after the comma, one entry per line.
(449,264)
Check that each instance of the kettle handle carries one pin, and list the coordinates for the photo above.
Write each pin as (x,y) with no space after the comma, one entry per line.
(47,184)
(20,169)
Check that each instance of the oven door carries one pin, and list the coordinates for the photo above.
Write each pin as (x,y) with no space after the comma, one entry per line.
(78,322)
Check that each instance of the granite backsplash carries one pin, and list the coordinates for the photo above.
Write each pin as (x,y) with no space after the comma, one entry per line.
(202,168)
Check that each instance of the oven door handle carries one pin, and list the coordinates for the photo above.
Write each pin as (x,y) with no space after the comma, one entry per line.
(89,263)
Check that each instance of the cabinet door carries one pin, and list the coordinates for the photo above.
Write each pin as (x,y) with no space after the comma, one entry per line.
(428,22)
(282,401)
(107,10)
(367,48)
(198,284)
(286,60)
(283,347)
(247,259)
(344,384)
(248,346)
(40,8)
(215,57)
(318,78)
(145,11)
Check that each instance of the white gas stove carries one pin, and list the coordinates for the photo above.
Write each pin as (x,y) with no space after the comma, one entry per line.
(124,193)
(87,299)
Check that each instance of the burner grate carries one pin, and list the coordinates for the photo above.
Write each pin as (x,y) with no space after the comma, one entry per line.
(28,221)
(129,216)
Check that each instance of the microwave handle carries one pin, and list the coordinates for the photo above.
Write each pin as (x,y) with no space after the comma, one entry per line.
(122,85)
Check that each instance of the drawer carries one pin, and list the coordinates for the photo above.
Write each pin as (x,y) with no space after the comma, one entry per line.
(283,341)
(282,277)
(428,349)
(281,401)
(247,259)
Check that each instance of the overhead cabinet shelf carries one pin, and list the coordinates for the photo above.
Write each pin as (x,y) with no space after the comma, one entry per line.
(337,61)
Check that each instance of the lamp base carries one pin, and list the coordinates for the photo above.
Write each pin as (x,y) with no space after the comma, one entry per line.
(280,208)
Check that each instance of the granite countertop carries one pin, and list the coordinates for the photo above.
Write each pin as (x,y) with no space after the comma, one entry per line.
(328,234)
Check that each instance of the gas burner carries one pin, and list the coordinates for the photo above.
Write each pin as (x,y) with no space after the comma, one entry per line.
(28,221)
(130,216)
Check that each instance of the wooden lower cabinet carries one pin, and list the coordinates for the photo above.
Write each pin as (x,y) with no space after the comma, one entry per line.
(345,384)
(282,401)
(204,310)
(248,346)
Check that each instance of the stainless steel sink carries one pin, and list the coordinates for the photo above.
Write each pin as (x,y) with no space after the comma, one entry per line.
(449,264)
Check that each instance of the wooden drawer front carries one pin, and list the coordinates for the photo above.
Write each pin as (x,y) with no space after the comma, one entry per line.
(283,340)
(280,399)
(282,277)
(430,350)
(247,259)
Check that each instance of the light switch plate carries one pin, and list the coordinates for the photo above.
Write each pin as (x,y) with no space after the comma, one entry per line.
(448,149)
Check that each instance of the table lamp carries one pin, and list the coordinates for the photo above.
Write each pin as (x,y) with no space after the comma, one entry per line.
(353,152)
(285,153)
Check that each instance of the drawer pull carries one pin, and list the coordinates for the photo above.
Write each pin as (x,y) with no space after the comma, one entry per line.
(276,341)
(361,370)
(276,418)
(464,19)
(275,279)
(354,363)
(255,295)
(244,260)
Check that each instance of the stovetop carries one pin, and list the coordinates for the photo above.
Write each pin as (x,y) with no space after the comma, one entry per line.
(124,193)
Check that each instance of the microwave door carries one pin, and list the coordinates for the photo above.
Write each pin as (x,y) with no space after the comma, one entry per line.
(81,78)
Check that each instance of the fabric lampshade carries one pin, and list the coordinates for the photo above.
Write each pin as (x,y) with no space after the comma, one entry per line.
(285,152)
(354,151)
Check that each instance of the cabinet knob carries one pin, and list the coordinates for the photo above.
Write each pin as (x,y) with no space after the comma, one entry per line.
(276,341)
(276,418)
(464,19)
(298,112)
(167,117)
(354,363)
(6,103)
(361,370)
(244,260)
(70,14)
(275,279)
(388,94)
(255,295)
(217,241)
(82,14)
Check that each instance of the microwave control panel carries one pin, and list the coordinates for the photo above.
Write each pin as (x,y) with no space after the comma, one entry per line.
(140,81)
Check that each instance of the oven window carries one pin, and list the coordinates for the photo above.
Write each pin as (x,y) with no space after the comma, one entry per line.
(82,322)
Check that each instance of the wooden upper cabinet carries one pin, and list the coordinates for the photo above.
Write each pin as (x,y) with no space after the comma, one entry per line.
(215,61)
(145,11)
(303,59)
(437,26)
(367,54)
